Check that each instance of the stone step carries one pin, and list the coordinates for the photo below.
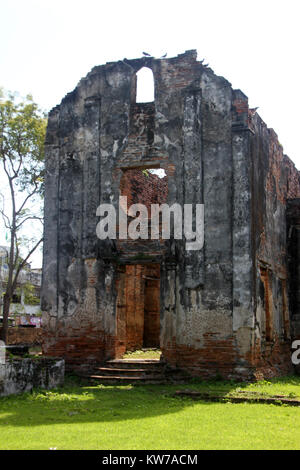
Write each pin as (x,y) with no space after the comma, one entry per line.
(123,371)
(117,379)
(107,379)
(145,371)
(135,364)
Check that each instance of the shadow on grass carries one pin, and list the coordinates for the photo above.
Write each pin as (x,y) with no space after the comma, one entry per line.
(81,402)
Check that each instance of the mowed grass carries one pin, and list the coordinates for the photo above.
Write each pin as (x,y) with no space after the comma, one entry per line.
(149,417)
(143,354)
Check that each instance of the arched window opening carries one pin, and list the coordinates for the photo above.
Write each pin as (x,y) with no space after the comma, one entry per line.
(145,86)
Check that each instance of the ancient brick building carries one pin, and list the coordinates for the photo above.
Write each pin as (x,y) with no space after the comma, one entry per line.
(229,308)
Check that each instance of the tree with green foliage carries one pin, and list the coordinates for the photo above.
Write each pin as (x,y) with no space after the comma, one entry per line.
(22,135)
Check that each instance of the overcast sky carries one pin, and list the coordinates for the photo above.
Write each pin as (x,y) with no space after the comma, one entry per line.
(47,46)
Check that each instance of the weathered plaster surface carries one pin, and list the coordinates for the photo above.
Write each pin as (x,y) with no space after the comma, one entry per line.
(22,375)
(215,151)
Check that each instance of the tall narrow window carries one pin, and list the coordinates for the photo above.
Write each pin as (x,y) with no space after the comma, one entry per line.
(145,86)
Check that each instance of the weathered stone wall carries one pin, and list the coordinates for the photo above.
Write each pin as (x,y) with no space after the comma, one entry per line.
(275,180)
(214,151)
(22,375)
(197,328)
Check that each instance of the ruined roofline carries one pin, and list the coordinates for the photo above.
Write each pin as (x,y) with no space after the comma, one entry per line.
(290,162)
(259,122)
(149,61)
(137,64)
(255,121)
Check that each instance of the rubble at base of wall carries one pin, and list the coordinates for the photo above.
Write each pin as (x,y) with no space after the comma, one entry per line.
(23,375)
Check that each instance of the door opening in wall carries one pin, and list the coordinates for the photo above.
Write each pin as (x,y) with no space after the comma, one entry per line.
(138,311)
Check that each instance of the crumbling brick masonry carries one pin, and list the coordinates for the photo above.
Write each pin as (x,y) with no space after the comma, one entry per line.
(229,308)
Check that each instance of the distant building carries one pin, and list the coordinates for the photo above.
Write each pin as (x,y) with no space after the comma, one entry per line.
(25,307)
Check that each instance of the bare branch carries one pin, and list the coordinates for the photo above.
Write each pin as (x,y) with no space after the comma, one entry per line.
(33,217)
(6,220)
(5,217)
(27,198)
(23,263)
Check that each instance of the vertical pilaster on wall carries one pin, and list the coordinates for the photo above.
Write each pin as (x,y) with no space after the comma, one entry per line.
(91,175)
(168,305)
(70,213)
(243,315)
(113,136)
(49,294)
(193,184)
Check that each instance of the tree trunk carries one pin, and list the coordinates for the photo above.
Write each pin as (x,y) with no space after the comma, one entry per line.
(6,305)
(10,281)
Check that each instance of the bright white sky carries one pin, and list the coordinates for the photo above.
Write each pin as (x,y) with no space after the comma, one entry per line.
(46,46)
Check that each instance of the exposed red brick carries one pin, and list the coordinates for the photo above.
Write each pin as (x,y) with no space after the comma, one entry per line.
(142,187)
(138,312)
(21,335)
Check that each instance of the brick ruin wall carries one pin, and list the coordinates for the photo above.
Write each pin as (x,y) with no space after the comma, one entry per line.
(28,336)
(214,302)
(275,181)
(142,187)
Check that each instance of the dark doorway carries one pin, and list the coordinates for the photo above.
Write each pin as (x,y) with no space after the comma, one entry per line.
(138,311)
(151,306)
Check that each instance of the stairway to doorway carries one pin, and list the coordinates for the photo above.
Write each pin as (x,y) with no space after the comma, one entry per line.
(137,367)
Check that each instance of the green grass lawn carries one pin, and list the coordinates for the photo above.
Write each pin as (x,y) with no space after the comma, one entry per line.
(143,354)
(80,416)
